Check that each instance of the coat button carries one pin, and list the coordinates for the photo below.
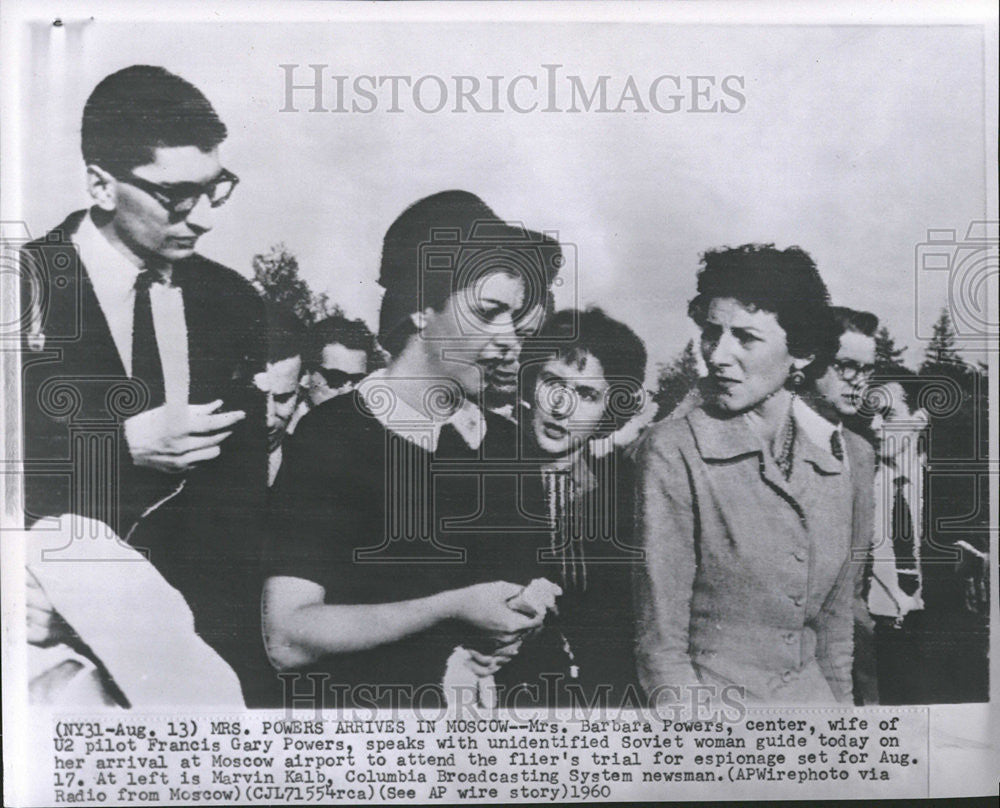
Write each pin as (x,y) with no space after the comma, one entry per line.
(799,555)
(786,677)
(797,600)
(790,638)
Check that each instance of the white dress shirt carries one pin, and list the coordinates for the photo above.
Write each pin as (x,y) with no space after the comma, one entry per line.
(885,598)
(113,274)
(273,465)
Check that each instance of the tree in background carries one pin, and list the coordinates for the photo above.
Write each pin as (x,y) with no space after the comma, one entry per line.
(675,380)
(887,356)
(276,276)
(955,394)
(943,371)
(322,307)
(942,352)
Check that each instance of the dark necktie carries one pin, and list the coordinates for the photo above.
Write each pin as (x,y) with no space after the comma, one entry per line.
(837,445)
(903,539)
(146,366)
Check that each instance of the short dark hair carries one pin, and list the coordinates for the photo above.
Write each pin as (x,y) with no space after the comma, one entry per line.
(285,333)
(467,240)
(861,322)
(911,384)
(338,330)
(783,282)
(571,335)
(142,108)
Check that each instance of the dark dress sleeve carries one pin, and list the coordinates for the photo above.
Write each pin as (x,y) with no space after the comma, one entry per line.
(320,508)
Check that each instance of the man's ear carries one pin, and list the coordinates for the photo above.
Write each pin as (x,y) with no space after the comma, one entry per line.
(102,187)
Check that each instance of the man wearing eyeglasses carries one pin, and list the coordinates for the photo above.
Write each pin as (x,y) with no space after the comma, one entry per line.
(842,384)
(160,347)
(837,397)
(339,354)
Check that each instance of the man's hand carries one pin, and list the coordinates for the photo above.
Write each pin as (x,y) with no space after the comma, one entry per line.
(973,567)
(486,607)
(175,439)
(45,626)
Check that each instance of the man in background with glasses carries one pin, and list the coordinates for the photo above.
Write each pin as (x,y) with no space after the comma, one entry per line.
(842,384)
(836,398)
(340,351)
(158,348)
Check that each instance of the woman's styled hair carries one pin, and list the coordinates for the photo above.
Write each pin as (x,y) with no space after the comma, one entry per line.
(444,243)
(571,335)
(783,282)
(410,274)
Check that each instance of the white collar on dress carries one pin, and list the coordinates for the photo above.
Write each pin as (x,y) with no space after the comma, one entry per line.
(400,418)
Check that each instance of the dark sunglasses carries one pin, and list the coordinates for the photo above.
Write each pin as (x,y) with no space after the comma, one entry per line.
(181,198)
(335,379)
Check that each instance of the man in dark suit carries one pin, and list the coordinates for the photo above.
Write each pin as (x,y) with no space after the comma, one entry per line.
(139,404)
(895,597)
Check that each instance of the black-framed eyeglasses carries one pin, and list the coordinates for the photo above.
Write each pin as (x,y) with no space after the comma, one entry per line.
(181,198)
(849,370)
(335,378)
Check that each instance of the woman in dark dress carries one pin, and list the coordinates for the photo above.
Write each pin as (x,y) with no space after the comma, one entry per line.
(587,387)
(376,579)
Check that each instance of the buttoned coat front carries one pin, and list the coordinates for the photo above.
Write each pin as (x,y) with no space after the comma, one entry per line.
(748,578)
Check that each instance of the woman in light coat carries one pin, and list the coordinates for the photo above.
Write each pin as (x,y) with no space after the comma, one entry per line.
(746,523)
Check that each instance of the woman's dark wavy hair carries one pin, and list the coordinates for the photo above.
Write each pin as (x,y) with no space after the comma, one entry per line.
(783,282)
(571,334)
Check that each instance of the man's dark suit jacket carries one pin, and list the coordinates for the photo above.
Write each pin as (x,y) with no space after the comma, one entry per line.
(76,396)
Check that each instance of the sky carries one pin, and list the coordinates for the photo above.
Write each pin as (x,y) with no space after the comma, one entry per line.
(851,142)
